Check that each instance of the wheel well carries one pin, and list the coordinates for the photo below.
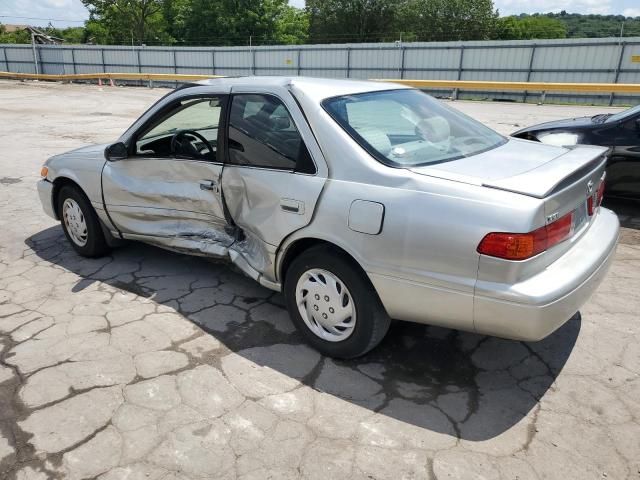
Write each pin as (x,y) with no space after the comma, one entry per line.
(58,183)
(304,244)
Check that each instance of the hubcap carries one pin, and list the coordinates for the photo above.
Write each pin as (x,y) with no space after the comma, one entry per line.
(325,305)
(75,222)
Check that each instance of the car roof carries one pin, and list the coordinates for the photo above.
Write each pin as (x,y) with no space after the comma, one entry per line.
(316,89)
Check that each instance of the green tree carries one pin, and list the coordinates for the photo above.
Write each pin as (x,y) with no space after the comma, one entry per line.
(292,26)
(442,20)
(71,35)
(124,21)
(338,21)
(529,26)
(20,36)
(176,14)
(235,22)
(597,26)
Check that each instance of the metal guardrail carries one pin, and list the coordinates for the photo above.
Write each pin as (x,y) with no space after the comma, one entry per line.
(454,85)
(610,60)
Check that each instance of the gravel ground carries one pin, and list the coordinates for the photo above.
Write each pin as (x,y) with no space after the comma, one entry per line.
(150,365)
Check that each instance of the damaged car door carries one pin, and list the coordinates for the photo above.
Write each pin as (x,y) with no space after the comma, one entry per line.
(167,191)
(273,175)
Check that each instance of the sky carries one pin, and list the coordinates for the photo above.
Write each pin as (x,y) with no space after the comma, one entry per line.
(63,13)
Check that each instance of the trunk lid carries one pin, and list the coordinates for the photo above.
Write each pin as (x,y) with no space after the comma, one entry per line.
(551,176)
(521,166)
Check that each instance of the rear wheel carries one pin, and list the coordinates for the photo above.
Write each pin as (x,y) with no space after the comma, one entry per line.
(80,223)
(333,304)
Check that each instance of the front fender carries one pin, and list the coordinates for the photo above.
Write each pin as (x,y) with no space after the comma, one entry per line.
(82,167)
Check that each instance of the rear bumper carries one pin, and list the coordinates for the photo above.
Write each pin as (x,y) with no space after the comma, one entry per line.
(533,309)
(45,191)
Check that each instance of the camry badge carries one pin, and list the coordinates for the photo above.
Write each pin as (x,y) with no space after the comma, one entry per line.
(590,186)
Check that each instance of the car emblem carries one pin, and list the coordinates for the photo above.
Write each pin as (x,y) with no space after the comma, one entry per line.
(553,217)
(590,186)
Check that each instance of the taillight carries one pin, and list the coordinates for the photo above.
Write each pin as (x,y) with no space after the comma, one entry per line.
(601,192)
(559,230)
(595,200)
(520,246)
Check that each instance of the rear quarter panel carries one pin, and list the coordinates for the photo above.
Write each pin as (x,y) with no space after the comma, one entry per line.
(423,263)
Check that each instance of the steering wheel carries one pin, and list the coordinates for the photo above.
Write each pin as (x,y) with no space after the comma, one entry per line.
(177,141)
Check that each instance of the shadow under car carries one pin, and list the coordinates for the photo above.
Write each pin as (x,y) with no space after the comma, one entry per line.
(466,385)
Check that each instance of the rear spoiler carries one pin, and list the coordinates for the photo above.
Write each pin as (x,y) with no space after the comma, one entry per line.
(543,180)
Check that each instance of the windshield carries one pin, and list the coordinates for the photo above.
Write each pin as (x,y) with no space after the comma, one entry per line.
(194,115)
(624,114)
(407,128)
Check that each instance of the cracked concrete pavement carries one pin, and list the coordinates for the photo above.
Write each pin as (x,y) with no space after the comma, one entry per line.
(151,365)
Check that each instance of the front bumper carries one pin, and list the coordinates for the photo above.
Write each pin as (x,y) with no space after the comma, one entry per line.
(45,191)
(536,307)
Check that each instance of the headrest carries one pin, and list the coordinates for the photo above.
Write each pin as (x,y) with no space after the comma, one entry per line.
(280,123)
(434,129)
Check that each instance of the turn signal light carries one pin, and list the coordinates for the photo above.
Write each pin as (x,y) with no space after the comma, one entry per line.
(44,172)
(520,246)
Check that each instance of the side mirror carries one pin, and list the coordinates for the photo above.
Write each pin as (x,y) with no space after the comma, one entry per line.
(116,151)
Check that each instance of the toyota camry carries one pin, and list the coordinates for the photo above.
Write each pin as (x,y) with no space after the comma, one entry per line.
(360,201)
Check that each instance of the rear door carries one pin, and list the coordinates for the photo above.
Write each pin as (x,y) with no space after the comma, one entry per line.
(168,190)
(273,173)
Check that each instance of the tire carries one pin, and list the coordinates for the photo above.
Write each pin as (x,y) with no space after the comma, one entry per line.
(81,213)
(323,268)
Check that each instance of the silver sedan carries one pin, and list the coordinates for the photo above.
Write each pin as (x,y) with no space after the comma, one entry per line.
(360,201)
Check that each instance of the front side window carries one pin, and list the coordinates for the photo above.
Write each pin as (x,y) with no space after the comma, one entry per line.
(407,128)
(262,134)
(187,130)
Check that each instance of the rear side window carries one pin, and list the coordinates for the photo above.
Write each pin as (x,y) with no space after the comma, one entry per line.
(263,134)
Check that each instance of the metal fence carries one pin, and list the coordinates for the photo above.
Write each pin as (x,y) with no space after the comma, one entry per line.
(602,60)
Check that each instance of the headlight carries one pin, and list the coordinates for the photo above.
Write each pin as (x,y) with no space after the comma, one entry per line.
(559,139)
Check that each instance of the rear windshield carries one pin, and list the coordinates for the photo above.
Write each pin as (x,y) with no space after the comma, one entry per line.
(408,128)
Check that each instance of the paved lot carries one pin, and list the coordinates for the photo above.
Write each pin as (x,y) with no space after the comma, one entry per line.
(149,365)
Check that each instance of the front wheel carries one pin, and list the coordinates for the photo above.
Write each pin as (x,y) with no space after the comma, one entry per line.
(333,304)
(80,223)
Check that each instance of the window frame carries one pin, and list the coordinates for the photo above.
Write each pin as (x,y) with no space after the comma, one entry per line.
(227,124)
(163,114)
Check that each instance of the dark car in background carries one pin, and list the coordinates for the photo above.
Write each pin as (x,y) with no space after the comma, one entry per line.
(620,132)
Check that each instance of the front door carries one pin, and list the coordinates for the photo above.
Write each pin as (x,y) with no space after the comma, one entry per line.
(271,181)
(168,191)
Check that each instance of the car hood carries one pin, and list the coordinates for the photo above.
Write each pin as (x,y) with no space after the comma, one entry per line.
(520,166)
(88,150)
(565,124)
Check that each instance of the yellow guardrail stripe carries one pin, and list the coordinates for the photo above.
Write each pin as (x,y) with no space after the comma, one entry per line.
(432,84)
(108,76)
(521,86)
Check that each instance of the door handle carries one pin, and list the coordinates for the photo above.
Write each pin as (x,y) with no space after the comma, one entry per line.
(208,185)
(292,206)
